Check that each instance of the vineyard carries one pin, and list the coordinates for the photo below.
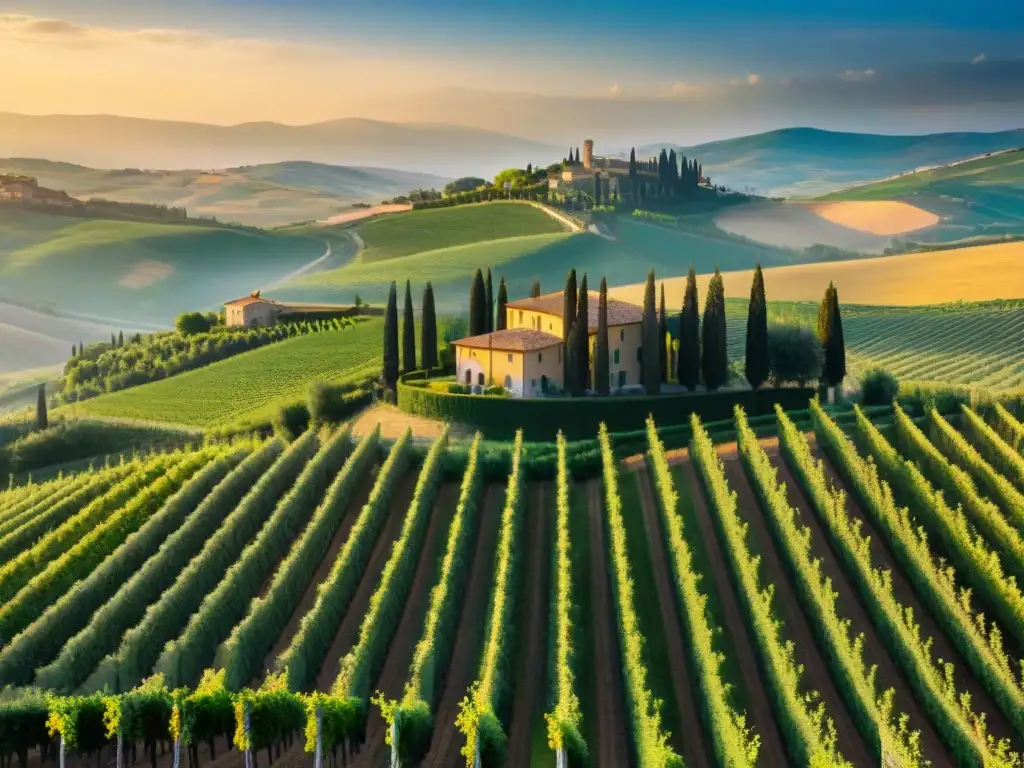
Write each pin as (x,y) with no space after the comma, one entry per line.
(834,591)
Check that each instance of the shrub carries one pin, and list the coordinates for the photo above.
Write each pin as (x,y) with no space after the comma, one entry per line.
(333,403)
(291,420)
(794,355)
(191,323)
(878,387)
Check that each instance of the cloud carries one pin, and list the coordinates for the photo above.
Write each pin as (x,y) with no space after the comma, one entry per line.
(614,91)
(40,31)
(685,89)
(753,79)
(978,59)
(855,76)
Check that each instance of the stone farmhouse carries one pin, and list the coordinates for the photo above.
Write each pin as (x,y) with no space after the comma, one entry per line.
(253,311)
(527,357)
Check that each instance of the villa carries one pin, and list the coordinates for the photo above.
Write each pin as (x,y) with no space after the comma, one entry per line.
(527,357)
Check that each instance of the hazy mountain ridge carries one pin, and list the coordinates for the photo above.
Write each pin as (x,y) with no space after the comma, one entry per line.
(266,194)
(810,161)
(112,141)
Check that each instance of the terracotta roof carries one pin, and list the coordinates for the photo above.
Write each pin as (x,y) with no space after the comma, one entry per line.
(245,301)
(619,312)
(511,340)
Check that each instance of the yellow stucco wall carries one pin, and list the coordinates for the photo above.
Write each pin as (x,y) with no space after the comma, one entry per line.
(524,370)
(541,363)
(525,318)
(258,313)
(626,339)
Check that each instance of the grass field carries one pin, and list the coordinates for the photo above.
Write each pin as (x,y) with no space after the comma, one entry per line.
(978,273)
(521,260)
(251,385)
(136,271)
(347,563)
(390,237)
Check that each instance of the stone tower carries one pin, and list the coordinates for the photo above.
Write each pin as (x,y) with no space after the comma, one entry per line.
(588,153)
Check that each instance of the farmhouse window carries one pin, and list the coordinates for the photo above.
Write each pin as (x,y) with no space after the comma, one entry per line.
(540,357)
(639,353)
(622,334)
(510,357)
(520,317)
(615,357)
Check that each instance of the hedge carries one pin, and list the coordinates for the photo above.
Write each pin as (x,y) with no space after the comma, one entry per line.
(542,418)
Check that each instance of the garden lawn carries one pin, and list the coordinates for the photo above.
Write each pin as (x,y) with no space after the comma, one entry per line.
(251,384)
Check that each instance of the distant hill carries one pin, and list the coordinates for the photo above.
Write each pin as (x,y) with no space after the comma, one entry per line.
(807,161)
(261,195)
(982,197)
(110,142)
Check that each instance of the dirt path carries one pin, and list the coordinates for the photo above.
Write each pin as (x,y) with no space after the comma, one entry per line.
(816,675)
(349,629)
(309,596)
(612,747)
(446,741)
(759,709)
(942,648)
(851,607)
(396,666)
(688,736)
(532,644)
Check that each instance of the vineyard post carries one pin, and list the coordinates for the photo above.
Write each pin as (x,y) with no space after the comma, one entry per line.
(248,741)
(177,751)
(395,759)
(476,752)
(561,758)
(120,748)
(62,751)
(319,757)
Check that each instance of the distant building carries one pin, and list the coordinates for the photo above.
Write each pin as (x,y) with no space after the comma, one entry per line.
(251,311)
(526,358)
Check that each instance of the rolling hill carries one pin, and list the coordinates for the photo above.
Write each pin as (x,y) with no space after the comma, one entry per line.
(109,141)
(262,195)
(447,246)
(808,161)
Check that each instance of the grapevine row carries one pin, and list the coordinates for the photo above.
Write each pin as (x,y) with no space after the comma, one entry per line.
(17,572)
(809,732)
(35,496)
(875,713)
(243,652)
(963,729)
(22,530)
(1011,429)
(59,574)
(936,583)
(999,453)
(958,484)
(103,630)
(414,715)
(361,665)
(478,718)
(303,658)
(649,739)
(183,660)
(565,717)
(163,620)
(997,488)
(735,744)
(41,641)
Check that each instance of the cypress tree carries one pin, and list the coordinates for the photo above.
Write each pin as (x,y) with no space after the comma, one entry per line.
(391,338)
(830,332)
(529,169)
(113,340)
(408,333)
(535,289)
(583,337)
(569,304)
(632,163)
(650,362)
(74,351)
(489,300)
(81,349)
(757,364)
(120,339)
(662,334)
(477,306)
(428,329)
(501,321)
(569,367)
(715,354)
(602,368)
(597,189)
(689,336)
(41,420)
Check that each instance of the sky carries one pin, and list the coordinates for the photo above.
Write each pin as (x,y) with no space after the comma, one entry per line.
(743,65)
